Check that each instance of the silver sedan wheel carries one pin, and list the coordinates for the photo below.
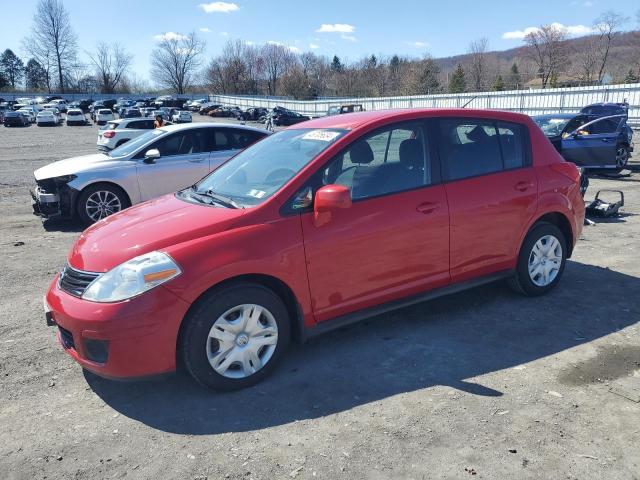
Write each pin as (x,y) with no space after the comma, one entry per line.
(545,260)
(242,340)
(101,204)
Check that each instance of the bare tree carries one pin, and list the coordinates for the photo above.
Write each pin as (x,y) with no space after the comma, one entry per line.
(175,61)
(547,50)
(277,59)
(110,63)
(587,59)
(53,42)
(477,63)
(607,25)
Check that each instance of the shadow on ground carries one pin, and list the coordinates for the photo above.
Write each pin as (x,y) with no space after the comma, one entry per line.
(443,342)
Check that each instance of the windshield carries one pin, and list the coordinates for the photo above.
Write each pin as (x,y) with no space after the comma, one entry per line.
(552,126)
(258,172)
(132,146)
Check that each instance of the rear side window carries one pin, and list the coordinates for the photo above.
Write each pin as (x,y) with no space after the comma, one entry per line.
(512,144)
(473,147)
(221,140)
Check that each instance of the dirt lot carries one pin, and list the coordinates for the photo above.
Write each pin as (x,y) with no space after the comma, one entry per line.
(482,383)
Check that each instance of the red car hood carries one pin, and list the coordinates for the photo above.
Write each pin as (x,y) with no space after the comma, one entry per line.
(149,226)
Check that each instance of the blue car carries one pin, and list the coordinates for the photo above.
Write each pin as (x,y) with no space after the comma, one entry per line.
(589,140)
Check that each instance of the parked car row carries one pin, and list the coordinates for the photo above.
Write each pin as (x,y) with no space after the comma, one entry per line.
(309,229)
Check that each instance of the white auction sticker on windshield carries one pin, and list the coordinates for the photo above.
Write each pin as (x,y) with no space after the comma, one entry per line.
(257,193)
(321,135)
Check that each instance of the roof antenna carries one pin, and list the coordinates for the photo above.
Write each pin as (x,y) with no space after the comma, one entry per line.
(470,100)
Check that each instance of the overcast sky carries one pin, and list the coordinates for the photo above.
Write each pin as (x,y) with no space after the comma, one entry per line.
(348,28)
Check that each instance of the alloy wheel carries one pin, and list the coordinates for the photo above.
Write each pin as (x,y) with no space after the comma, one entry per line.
(101,204)
(622,156)
(545,260)
(242,340)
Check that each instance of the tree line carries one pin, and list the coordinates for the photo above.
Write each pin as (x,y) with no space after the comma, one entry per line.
(546,59)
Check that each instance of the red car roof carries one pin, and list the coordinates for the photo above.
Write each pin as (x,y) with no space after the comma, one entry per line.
(349,121)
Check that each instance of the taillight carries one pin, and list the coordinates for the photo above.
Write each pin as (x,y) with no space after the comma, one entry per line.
(567,169)
(109,134)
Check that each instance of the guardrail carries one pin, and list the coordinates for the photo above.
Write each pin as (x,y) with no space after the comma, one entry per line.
(531,102)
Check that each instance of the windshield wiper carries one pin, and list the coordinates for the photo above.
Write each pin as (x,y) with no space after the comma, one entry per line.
(220,199)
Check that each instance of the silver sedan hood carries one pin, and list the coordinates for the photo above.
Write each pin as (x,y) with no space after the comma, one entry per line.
(74,165)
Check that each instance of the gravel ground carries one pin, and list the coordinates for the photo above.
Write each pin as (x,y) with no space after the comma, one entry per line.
(483,383)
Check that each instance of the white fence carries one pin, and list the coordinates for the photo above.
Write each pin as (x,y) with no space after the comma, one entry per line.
(531,102)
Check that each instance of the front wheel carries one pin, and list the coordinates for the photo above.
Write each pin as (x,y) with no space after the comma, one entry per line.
(235,336)
(99,201)
(541,260)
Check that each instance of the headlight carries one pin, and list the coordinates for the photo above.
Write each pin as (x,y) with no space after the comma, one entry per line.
(65,178)
(132,278)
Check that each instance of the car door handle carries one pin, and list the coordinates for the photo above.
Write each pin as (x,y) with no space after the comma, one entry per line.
(196,160)
(523,186)
(427,207)
(606,140)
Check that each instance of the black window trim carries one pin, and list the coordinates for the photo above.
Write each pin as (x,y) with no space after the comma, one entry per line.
(427,126)
(526,145)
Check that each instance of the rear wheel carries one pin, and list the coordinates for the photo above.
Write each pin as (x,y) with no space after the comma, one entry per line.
(99,201)
(235,336)
(541,260)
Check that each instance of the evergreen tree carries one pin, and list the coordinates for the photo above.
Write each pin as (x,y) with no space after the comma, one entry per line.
(457,82)
(3,81)
(515,81)
(427,81)
(631,77)
(498,85)
(35,76)
(12,67)
(336,65)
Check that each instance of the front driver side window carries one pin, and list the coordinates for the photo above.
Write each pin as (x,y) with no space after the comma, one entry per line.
(177,144)
(390,160)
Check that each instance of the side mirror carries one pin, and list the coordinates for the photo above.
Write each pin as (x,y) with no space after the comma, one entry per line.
(328,199)
(151,155)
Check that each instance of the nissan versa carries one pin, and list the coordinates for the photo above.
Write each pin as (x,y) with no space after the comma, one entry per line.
(312,228)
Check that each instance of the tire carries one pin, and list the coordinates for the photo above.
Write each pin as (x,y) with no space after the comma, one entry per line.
(547,271)
(109,199)
(236,363)
(622,156)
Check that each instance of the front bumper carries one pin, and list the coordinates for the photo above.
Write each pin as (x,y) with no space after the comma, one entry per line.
(58,204)
(130,339)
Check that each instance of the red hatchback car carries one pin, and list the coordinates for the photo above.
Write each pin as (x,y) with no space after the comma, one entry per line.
(315,227)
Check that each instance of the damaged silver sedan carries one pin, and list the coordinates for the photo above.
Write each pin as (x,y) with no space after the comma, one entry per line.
(164,160)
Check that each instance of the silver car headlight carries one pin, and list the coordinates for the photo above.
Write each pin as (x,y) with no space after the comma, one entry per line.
(132,278)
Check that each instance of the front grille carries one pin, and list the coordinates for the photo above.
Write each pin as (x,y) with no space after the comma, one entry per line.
(67,338)
(75,282)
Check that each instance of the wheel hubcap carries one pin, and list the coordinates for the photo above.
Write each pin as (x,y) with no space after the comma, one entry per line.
(101,204)
(545,260)
(242,340)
